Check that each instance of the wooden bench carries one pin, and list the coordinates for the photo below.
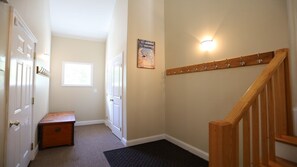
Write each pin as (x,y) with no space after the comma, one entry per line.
(56,129)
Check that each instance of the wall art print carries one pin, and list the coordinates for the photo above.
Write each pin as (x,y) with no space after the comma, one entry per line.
(145,54)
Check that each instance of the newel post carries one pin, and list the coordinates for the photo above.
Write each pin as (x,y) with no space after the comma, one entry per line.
(288,90)
(221,144)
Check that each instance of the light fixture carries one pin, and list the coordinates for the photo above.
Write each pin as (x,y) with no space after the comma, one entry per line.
(207,45)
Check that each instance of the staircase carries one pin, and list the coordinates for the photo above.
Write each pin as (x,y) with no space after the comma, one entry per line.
(263,115)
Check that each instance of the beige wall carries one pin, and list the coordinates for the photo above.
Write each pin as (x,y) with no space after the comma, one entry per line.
(292,14)
(239,28)
(87,102)
(117,43)
(36,15)
(4,22)
(145,87)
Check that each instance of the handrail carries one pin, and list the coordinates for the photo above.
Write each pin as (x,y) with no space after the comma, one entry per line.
(265,114)
(255,89)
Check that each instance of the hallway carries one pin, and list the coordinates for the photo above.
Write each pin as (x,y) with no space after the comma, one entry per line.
(90,143)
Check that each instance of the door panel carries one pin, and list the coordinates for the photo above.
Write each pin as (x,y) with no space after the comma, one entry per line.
(20,95)
(117,82)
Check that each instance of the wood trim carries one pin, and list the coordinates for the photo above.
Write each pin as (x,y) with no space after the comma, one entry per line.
(282,100)
(271,111)
(246,140)
(251,60)
(292,140)
(235,137)
(220,146)
(280,162)
(264,129)
(255,134)
(290,122)
(255,89)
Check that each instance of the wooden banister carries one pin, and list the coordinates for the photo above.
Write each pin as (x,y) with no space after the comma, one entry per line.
(220,150)
(265,114)
(255,89)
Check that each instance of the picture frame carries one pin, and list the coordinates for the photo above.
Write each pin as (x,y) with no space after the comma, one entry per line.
(145,54)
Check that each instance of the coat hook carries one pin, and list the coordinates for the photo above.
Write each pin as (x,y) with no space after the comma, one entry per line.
(259,60)
(228,63)
(216,66)
(205,67)
(242,63)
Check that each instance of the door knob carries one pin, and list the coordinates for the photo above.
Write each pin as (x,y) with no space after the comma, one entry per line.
(16,123)
(110,99)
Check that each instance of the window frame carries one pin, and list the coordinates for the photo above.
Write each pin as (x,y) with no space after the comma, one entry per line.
(77,85)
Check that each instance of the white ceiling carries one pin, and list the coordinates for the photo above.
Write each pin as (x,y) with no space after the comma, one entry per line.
(83,19)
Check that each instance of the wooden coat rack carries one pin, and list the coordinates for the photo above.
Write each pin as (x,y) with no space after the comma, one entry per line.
(251,60)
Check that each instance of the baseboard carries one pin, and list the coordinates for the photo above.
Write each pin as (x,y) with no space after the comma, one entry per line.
(124,141)
(108,124)
(188,147)
(91,122)
(34,152)
(169,138)
(143,140)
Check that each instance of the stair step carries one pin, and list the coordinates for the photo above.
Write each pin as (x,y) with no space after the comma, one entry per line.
(292,140)
(280,162)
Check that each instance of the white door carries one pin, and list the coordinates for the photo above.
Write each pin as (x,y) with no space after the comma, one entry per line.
(20,95)
(116,99)
(109,94)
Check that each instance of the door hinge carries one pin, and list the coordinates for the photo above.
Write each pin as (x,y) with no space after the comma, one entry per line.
(34,55)
(32,146)
(33,100)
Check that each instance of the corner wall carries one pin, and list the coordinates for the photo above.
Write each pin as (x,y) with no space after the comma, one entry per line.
(239,28)
(87,102)
(145,87)
(117,43)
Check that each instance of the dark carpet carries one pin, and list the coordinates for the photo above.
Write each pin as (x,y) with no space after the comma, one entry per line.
(155,154)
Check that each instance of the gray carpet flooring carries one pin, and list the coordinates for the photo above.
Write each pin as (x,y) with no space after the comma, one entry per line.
(90,143)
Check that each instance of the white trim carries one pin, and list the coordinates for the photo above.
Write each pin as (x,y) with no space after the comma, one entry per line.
(108,124)
(188,147)
(90,122)
(200,153)
(143,140)
(55,34)
(34,152)
(124,141)
(23,25)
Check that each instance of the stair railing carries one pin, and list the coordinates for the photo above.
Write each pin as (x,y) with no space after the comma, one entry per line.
(261,114)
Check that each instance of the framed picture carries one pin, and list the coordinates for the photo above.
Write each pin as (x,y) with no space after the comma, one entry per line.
(145,54)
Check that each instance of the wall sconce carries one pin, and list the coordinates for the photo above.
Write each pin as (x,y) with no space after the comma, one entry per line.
(207,45)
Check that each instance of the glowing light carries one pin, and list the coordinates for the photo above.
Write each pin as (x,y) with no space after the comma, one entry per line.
(207,45)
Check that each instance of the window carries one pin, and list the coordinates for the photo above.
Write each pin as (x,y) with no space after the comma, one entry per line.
(77,74)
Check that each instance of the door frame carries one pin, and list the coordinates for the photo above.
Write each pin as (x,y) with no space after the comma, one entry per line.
(12,15)
(121,57)
(109,122)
